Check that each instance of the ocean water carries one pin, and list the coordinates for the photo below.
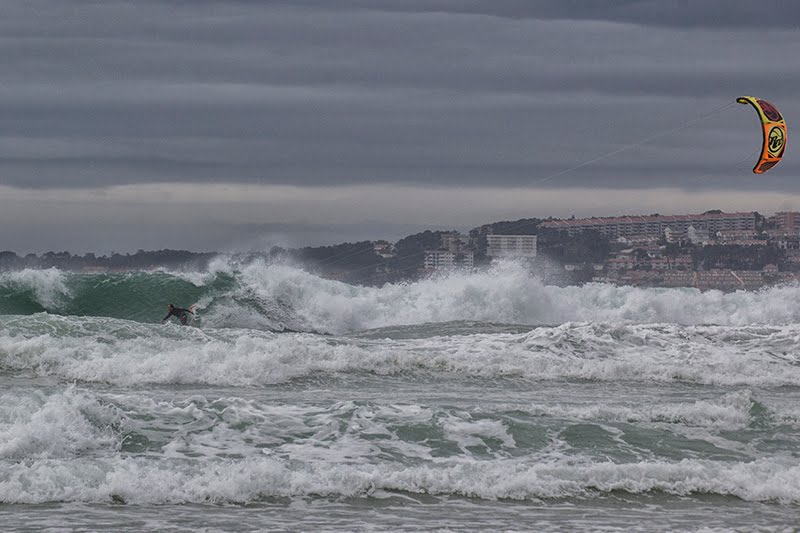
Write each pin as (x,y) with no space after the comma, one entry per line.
(469,401)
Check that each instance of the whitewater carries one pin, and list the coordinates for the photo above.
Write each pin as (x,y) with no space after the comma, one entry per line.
(464,401)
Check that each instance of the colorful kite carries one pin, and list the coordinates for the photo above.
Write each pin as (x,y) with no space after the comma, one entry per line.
(774,133)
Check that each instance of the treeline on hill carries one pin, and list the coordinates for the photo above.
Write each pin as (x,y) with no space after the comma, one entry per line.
(352,262)
(359,262)
(140,260)
(737,257)
(585,247)
(355,262)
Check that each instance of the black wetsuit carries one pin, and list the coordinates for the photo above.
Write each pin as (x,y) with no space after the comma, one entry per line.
(178,312)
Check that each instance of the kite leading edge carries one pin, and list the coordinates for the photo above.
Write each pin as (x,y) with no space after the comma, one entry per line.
(774,129)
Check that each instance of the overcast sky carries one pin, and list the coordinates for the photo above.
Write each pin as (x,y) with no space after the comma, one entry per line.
(218,125)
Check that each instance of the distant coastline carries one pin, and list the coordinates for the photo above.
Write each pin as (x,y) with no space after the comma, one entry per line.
(711,250)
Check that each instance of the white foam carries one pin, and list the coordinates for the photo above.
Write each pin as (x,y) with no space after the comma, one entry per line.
(506,293)
(728,412)
(49,286)
(471,433)
(148,481)
(128,353)
(269,296)
(70,447)
(34,425)
(198,279)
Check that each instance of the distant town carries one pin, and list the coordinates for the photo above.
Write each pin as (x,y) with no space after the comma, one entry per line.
(711,250)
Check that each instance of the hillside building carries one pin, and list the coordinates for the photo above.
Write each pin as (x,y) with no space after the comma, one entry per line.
(655,226)
(788,222)
(445,259)
(511,246)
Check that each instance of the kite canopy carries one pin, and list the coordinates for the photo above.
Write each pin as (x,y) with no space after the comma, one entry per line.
(774,128)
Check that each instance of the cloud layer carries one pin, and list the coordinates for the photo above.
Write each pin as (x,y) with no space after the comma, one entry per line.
(319,95)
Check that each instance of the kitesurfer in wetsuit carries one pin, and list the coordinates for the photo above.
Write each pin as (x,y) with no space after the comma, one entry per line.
(178,312)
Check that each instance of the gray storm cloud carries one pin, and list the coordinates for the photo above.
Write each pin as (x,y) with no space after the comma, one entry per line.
(489,96)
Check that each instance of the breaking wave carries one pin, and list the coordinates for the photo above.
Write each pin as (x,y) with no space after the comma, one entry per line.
(129,353)
(278,296)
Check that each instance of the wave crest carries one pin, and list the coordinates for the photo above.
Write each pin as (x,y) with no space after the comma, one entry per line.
(265,296)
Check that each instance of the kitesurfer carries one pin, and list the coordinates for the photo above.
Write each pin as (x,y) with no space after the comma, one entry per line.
(178,312)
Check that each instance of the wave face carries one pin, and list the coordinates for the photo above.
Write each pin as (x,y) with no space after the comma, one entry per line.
(469,401)
(270,297)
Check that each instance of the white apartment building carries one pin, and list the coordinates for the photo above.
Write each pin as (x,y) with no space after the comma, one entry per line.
(615,227)
(439,259)
(788,222)
(507,246)
(445,259)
